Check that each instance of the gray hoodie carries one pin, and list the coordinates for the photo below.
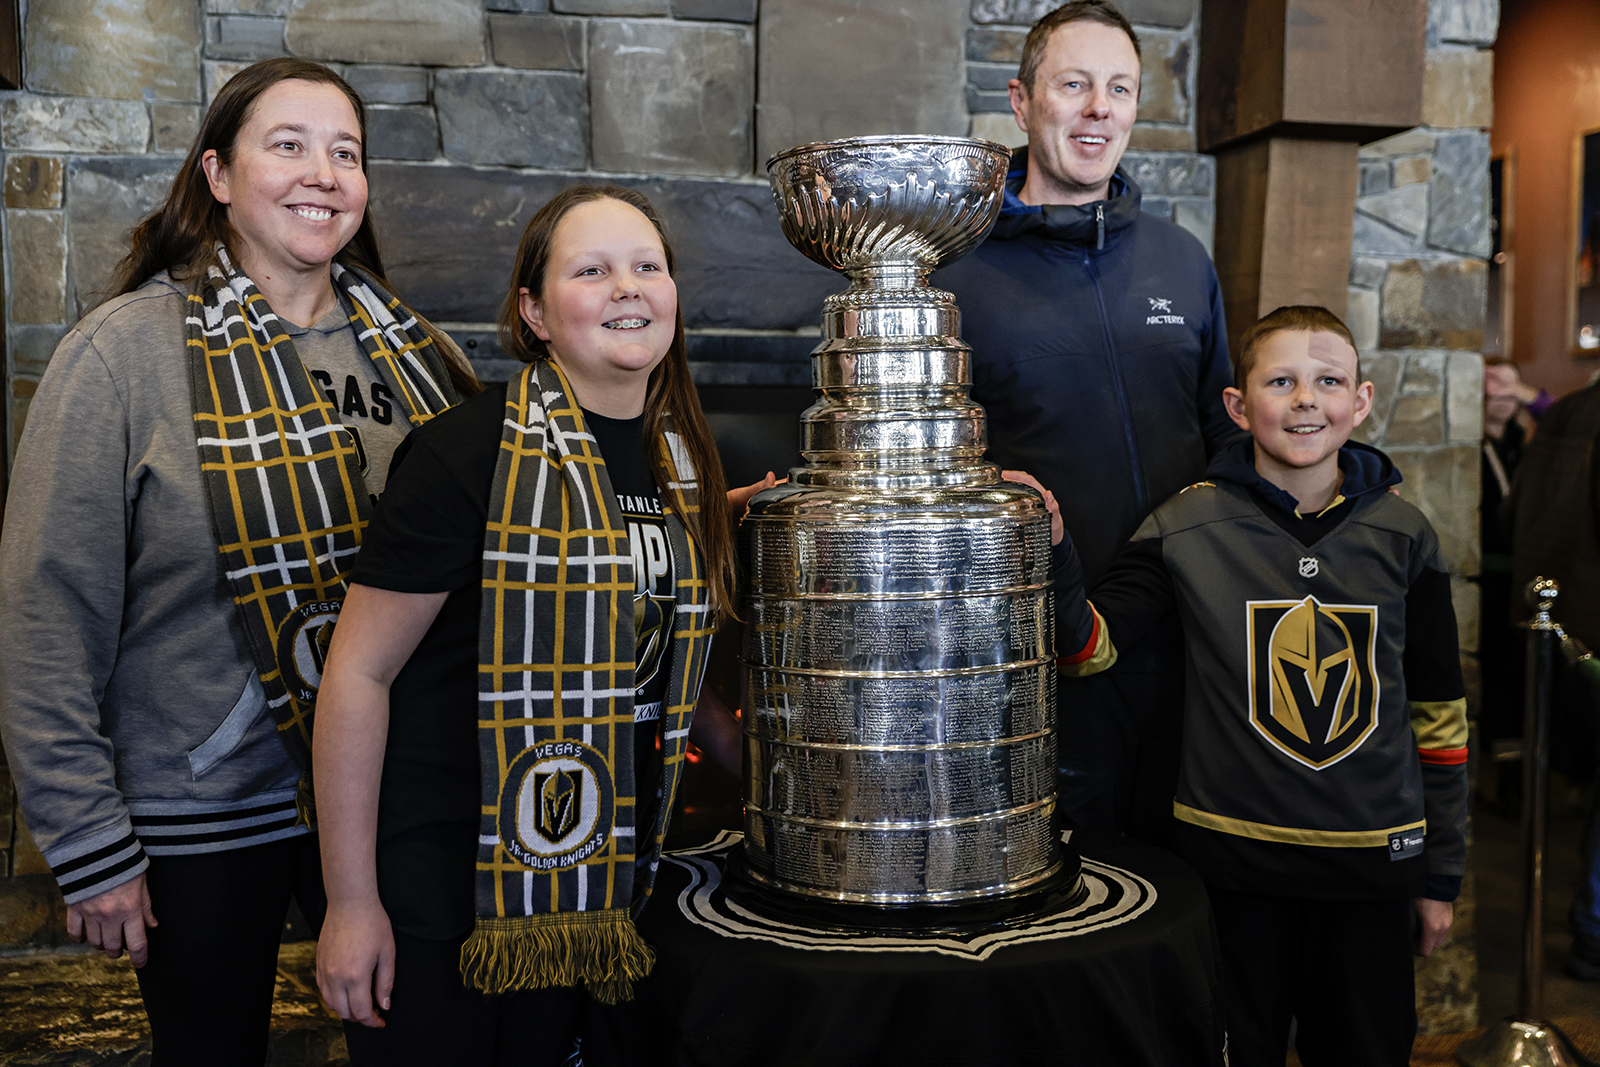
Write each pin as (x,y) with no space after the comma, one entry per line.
(130,710)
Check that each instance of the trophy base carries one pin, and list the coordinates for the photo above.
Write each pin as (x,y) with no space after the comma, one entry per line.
(1057,892)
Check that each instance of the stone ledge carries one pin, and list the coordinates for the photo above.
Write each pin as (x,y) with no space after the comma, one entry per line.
(75,1008)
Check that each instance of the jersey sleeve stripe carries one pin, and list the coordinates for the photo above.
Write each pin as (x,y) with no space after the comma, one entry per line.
(1095,656)
(1439,725)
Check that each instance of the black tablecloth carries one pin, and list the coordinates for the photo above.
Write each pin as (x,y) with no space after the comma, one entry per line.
(1126,978)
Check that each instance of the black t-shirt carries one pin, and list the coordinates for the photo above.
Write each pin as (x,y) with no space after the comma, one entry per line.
(426,536)
(654,600)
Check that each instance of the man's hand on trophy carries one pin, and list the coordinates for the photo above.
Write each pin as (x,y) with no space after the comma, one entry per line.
(1057,531)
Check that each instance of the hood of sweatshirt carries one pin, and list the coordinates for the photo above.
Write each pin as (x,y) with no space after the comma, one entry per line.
(1089,225)
(1366,470)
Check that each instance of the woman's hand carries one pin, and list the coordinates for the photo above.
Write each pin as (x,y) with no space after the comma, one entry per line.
(355,962)
(739,499)
(114,920)
(1433,924)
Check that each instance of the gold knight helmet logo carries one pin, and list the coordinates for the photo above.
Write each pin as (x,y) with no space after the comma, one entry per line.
(1313,688)
(560,796)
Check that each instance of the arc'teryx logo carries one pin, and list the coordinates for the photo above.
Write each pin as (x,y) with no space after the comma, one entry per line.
(1162,306)
(1313,683)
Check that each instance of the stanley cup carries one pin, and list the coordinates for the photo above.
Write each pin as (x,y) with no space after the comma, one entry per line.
(899,688)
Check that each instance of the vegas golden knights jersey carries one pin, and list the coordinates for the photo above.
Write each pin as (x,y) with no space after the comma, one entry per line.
(1300,736)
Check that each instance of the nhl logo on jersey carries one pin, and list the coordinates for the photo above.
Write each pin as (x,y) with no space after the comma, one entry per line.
(1309,566)
(1313,685)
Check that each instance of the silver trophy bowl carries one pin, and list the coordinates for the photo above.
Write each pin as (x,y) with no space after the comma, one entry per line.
(872,202)
(899,683)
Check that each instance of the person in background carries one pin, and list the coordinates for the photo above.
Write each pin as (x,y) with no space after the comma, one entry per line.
(188,496)
(1555,533)
(1100,353)
(1500,646)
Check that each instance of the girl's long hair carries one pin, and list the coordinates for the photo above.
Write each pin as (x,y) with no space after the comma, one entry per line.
(180,237)
(671,391)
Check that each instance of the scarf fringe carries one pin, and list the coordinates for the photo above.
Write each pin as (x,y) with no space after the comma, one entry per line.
(601,950)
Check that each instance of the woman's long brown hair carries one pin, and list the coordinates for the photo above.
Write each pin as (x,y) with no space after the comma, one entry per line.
(671,391)
(180,237)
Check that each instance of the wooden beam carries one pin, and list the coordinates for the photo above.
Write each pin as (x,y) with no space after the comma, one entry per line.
(1341,69)
(1285,211)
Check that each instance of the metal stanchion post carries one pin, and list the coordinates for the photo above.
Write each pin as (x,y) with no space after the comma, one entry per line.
(1526,1039)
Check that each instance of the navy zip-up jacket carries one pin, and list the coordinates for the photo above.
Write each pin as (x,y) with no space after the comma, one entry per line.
(1099,352)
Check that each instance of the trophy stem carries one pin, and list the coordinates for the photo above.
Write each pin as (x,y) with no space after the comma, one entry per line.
(909,275)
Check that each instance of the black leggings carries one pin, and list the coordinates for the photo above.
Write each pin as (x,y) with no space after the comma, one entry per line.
(213,962)
(434,1019)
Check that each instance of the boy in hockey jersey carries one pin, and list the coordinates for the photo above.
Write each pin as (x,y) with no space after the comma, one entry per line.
(1323,787)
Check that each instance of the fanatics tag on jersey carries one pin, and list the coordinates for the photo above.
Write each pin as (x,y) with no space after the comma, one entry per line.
(1404,844)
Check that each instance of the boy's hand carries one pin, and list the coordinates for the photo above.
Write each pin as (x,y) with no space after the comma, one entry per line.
(1057,530)
(1433,924)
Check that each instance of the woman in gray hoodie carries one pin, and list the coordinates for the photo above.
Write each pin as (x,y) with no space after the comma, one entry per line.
(188,495)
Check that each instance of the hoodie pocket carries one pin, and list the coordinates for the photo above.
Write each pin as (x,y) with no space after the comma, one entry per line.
(246,710)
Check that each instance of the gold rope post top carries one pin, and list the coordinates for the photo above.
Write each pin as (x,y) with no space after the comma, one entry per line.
(600,950)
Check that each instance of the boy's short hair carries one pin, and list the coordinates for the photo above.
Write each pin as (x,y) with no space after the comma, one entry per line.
(1293,317)
(1101,11)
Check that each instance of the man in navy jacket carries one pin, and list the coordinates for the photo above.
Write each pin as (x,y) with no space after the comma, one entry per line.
(1100,354)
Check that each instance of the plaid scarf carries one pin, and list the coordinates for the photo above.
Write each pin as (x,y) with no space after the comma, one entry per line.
(281,474)
(558,845)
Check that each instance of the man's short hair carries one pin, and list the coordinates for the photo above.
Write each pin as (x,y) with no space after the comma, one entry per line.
(1294,317)
(1101,11)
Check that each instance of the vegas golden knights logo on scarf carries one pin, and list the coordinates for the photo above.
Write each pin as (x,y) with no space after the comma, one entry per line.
(281,473)
(1313,688)
(558,847)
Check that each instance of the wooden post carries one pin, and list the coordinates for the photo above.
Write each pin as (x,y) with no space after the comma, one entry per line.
(1288,90)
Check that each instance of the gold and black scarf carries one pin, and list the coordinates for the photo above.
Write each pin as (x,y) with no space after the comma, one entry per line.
(558,848)
(281,472)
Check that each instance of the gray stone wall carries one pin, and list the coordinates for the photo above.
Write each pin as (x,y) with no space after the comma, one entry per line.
(482,109)
(1417,290)
(479,109)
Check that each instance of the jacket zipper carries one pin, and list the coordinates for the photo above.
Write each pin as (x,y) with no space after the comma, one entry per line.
(1135,465)
(1099,227)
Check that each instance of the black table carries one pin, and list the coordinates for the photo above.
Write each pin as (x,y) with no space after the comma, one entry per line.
(1126,977)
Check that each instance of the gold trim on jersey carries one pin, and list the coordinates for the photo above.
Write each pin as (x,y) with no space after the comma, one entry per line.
(1290,835)
(1439,723)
